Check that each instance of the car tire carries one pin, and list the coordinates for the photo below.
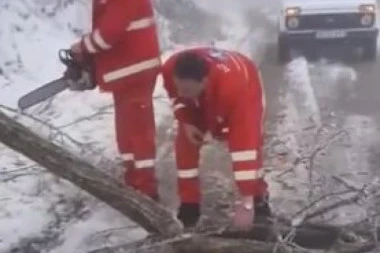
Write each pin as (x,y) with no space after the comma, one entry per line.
(283,51)
(370,50)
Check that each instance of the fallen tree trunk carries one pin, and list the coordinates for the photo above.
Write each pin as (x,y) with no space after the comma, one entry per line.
(151,216)
(264,237)
(147,213)
(211,244)
(218,245)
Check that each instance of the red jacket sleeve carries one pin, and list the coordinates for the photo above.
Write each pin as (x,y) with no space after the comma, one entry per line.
(245,122)
(111,27)
(179,106)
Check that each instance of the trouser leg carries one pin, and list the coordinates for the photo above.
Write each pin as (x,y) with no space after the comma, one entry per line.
(261,196)
(135,134)
(123,134)
(187,160)
(142,137)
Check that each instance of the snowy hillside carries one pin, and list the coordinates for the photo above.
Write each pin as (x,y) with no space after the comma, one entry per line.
(41,213)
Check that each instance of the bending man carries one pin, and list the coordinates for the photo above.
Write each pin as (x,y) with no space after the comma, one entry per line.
(219,92)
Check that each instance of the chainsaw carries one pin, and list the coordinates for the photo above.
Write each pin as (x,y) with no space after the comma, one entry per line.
(77,74)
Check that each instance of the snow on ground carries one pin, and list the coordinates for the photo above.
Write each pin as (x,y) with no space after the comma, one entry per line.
(364,136)
(30,41)
(300,87)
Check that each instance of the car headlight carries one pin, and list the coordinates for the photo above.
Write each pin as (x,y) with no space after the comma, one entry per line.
(292,11)
(293,22)
(366,20)
(367,8)
(292,17)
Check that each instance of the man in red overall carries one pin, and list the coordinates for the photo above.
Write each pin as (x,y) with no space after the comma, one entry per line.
(125,52)
(219,92)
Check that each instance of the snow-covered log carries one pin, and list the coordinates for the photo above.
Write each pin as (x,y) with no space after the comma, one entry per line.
(141,209)
(322,237)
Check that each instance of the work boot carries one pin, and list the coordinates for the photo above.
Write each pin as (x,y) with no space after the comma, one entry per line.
(188,214)
(263,215)
(262,208)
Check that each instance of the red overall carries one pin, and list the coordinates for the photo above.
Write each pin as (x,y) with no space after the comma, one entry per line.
(126,53)
(230,108)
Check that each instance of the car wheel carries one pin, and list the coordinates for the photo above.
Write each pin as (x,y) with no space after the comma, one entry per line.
(370,50)
(283,51)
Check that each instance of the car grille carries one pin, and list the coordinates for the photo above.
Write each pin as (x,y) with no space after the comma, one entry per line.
(326,21)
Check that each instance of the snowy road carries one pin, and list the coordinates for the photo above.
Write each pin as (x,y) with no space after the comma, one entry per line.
(340,96)
(345,96)
(357,104)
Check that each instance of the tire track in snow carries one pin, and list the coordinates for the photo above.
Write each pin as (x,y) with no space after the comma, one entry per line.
(348,90)
(311,84)
(297,110)
(296,127)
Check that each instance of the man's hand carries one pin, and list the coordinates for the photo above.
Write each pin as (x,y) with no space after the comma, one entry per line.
(194,134)
(243,214)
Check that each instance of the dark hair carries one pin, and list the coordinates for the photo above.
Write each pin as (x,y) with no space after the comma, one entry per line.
(189,65)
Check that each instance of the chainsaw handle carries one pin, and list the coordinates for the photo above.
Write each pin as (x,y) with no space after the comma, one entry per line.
(73,68)
(66,56)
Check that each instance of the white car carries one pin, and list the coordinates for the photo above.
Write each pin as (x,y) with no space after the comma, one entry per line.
(306,24)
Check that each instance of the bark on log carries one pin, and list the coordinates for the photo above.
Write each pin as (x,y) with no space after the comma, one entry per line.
(208,244)
(195,243)
(218,245)
(309,235)
(263,238)
(141,209)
